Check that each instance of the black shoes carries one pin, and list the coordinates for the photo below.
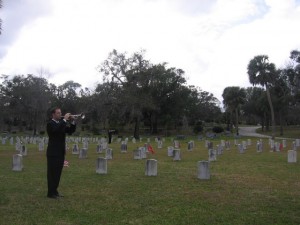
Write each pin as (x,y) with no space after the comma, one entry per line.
(55,196)
(52,196)
(59,195)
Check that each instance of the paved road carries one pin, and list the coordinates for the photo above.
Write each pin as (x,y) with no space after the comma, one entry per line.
(251,132)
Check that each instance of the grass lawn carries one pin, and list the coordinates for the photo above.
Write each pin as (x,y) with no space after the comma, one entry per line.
(250,188)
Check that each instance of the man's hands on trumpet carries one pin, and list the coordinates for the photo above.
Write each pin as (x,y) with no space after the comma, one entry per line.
(67,116)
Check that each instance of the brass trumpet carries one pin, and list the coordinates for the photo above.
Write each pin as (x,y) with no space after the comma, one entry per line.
(81,116)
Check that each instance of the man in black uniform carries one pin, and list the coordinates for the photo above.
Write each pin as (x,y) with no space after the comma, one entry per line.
(56,150)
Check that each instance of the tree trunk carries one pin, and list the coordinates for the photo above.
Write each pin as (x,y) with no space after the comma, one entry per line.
(281,123)
(272,112)
(237,121)
(267,122)
(137,128)
(262,124)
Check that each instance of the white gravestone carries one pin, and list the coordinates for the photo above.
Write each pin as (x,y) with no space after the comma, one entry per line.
(297,142)
(123,147)
(17,164)
(203,170)
(177,155)
(23,150)
(259,146)
(75,150)
(99,148)
(176,144)
(101,165)
(109,153)
(220,149)
(272,145)
(85,144)
(190,146)
(151,167)
(137,154)
(292,156)
(83,153)
(212,155)
(284,143)
(41,146)
(159,144)
(241,148)
(18,146)
(133,140)
(277,146)
(143,152)
(223,143)
(170,151)
(244,143)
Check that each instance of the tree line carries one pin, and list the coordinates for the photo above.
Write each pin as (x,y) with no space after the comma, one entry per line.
(137,94)
(134,93)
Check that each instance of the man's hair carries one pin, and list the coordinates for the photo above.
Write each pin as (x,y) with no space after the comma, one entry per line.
(53,110)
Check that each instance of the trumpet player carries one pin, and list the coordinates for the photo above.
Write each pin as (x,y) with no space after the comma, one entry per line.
(57,128)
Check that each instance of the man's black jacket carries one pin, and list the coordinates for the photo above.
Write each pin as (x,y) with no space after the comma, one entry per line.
(57,137)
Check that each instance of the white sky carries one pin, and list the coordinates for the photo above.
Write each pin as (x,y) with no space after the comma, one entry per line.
(211,40)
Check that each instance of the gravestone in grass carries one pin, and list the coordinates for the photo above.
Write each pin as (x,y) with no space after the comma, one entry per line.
(75,149)
(284,143)
(143,152)
(176,144)
(123,147)
(159,144)
(17,164)
(176,155)
(151,167)
(240,148)
(83,153)
(41,146)
(170,151)
(109,153)
(212,155)
(292,156)
(137,154)
(101,165)
(23,150)
(203,170)
(259,146)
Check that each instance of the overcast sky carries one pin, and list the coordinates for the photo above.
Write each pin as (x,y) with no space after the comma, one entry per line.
(211,40)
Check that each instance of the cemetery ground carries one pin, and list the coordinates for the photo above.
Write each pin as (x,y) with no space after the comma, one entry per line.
(249,188)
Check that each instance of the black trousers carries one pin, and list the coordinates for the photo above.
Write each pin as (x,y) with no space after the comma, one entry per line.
(55,165)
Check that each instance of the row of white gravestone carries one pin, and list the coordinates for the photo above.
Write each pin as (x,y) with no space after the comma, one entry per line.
(84,151)
(151,168)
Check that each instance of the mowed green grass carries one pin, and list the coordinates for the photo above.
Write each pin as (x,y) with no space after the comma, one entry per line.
(250,188)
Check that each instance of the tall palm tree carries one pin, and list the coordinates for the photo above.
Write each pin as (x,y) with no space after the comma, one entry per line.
(233,98)
(263,73)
